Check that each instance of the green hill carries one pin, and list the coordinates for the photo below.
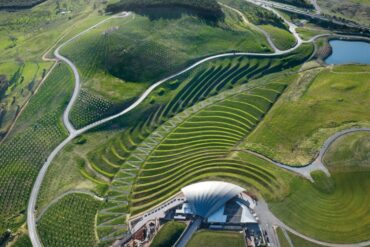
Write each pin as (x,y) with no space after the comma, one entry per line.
(19,3)
(206,8)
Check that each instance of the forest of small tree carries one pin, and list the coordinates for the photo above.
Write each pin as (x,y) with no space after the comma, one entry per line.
(207,8)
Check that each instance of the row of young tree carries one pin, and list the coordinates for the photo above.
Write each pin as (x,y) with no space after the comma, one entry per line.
(207,8)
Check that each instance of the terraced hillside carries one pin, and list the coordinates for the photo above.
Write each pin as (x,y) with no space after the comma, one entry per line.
(201,144)
(202,152)
(101,165)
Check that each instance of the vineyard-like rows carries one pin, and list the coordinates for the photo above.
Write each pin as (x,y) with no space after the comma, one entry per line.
(179,94)
(22,155)
(200,147)
(195,157)
(90,108)
(70,222)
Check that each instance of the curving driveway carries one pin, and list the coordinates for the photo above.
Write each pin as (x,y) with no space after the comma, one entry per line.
(31,219)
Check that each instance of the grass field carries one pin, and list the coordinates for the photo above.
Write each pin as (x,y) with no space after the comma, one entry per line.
(216,239)
(300,242)
(339,214)
(350,152)
(168,234)
(37,132)
(69,222)
(282,38)
(313,108)
(282,239)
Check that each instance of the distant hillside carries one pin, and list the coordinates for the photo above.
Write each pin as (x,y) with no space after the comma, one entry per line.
(207,8)
(298,3)
(19,3)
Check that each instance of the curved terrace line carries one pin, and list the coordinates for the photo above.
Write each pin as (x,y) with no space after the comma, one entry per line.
(31,219)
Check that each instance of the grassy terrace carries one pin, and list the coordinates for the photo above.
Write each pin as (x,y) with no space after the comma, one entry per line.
(37,132)
(202,143)
(313,108)
(216,239)
(70,222)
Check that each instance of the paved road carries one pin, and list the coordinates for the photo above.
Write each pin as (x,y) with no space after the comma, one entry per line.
(31,219)
(293,9)
(247,23)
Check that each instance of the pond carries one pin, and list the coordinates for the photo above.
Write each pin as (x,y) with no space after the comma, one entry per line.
(349,52)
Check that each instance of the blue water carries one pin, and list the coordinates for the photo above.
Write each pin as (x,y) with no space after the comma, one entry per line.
(349,52)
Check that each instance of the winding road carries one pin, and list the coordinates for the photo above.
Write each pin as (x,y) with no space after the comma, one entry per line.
(31,218)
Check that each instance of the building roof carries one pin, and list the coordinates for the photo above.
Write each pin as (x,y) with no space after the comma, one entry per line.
(205,198)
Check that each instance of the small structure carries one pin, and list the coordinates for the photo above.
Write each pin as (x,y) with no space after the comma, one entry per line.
(217,205)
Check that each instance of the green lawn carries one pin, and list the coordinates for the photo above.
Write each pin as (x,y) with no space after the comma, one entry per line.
(205,238)
(339,214)
(350,152)
(300,242)
(168,234)
(282,239)
(282,38)
(312,109)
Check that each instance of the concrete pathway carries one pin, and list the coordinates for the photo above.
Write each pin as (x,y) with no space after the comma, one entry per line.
(189,231)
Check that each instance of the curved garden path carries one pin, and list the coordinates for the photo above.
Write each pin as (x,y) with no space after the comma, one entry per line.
(31,218)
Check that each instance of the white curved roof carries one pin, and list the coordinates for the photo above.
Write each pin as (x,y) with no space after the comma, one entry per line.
(205,198)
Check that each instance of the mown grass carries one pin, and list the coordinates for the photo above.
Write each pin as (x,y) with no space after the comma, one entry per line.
(350,152)
(216,239)
(339,215)
(313,108)
(298,241)
(69,222)
(37,132)
(168,234)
